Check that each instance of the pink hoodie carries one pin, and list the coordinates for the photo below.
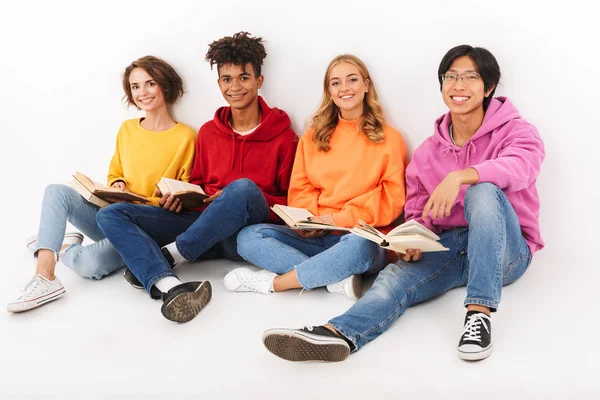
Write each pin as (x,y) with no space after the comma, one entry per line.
(506,150)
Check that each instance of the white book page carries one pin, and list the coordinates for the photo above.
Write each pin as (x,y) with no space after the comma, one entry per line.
(423,243)
(294,213)
(412,227)
(174,186)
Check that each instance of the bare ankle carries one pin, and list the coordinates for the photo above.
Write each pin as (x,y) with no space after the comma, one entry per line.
(331,328)
(478,307)
(46,264)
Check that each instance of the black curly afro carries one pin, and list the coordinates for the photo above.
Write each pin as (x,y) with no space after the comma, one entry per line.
(238,49)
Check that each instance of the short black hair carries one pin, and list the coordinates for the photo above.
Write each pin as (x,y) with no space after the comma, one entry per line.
(239,49)
(486,63)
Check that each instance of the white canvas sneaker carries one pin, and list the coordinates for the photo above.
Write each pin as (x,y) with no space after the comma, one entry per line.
(70,238)
(350,287)
(37,292)
(246,280)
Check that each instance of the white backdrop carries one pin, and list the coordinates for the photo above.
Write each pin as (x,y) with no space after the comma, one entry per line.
(60,94)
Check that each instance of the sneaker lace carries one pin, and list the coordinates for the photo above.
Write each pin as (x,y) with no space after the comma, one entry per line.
(249,282)
(31,286)
(473,325)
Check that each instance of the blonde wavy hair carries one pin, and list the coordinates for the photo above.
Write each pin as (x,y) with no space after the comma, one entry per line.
(326,117)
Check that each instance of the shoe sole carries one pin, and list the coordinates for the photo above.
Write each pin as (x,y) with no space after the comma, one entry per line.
(292,345)
(186,306)
(356,287)
(475,356)
(31,304)
(133,281)
(70,238)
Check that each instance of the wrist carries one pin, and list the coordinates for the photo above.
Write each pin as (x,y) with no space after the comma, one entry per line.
(467,176)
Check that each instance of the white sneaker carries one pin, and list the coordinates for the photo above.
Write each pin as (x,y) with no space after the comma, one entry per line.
(70,238)
(350,287)
(37,292)
(246,280)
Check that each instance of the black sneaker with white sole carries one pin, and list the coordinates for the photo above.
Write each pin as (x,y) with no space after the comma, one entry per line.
(476,341)
(312,343)
(183,302)
(135,282)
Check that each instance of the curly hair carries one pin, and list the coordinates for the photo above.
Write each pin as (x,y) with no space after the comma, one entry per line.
(165,76)
(326,117)
(239,49)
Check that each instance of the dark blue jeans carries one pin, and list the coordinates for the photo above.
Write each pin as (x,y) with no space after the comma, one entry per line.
(138,231)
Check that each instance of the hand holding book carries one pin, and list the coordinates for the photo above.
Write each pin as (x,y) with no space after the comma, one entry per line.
(411,239)
(169,202)
(120,185)
(190,195)
(411,255)
(98,194)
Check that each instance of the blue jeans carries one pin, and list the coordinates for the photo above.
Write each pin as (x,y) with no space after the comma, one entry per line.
(318,261)
(138,232)
(489,253)
(62,203)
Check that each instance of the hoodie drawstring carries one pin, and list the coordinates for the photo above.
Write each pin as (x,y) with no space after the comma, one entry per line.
(471,149)
(232,151)
(242,155)
(447,150)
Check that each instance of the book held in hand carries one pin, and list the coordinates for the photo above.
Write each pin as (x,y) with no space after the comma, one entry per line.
(409,235)
(191,196)
(298,218)
(98,194)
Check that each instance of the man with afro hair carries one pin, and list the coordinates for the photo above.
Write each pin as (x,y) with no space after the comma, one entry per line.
(243,161)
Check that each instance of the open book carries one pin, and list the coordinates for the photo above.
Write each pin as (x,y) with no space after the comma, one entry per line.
(409,235)
(98,194)
(298,218)
(191,196)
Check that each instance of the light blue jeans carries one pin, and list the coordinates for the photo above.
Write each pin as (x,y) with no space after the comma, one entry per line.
(62,203)
(489,253)
(318,261)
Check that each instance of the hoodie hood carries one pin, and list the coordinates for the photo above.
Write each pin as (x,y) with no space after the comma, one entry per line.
(499,112)
(273,122)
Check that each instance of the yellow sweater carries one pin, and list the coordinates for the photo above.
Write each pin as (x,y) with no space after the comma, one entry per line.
(355,179)
(142,157)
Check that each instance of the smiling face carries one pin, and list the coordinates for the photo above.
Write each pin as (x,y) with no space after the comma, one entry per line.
(146,93)
(239,85)
(464,96)
(347,88)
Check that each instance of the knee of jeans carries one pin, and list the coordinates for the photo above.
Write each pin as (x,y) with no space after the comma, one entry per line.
(110,211)
(363,245)
(387,282)
(244,185)
(482,195)
(88,268)
(57,190)
(247,239)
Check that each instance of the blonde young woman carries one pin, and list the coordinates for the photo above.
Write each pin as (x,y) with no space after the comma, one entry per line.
(147,149)
(349,166)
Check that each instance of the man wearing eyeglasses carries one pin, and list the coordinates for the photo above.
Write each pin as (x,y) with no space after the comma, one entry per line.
(473,183)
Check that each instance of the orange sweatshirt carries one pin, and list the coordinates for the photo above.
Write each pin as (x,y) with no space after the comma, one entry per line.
(355,179)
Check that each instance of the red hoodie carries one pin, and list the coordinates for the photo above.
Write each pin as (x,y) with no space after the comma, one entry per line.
(265,156)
